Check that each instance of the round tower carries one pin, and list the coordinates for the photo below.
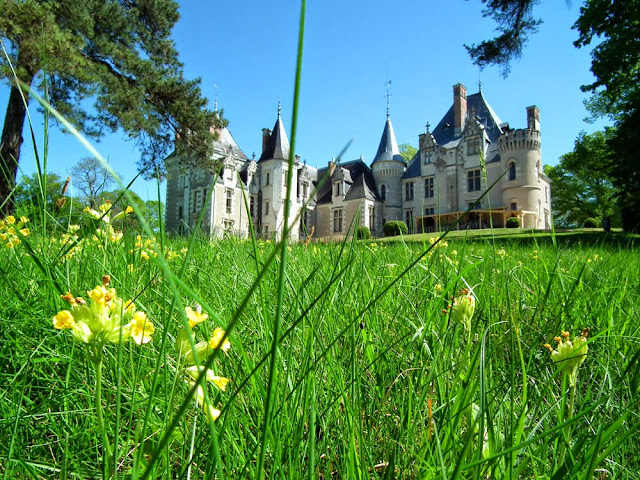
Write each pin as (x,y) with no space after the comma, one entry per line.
(520,156)
(388,166)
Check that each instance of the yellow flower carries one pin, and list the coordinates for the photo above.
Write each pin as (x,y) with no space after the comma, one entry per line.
(98,294)
(195,317)
(63,320)
(463,307)
(195,370)
(10,219)
(128,210)
(141,328)
(214,342)
(212,413)
(569,355)
(24,220)
(144,255)
(25,231)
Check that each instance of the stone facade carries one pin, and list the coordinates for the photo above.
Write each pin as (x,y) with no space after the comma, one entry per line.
(431,192)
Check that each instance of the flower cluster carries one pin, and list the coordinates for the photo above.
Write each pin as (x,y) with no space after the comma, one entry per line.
(440,244)
(462,308)
(105,318)
(570,354)
(147,248)
(11,230)
(193,358)
(104,230)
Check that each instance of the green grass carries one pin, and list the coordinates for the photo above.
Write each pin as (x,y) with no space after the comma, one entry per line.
(357,368)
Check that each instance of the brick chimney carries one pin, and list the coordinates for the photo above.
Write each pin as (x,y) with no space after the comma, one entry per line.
(266,135)
(533,118)
(459,107)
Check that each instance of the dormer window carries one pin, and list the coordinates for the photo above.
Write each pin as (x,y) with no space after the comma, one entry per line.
(473,146)
(428,157)
(338,189)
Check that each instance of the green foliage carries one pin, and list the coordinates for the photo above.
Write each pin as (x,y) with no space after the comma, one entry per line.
(363,233)
(591,223)
(513,222)
(515,23)
(35,194)
(119,55)
(582,183)
(407,151)
(395,227)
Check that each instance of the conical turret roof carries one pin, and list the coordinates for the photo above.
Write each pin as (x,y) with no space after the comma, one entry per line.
(388,149)
(278,144)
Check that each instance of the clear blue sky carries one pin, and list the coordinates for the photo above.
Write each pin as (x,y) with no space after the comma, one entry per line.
(248,49)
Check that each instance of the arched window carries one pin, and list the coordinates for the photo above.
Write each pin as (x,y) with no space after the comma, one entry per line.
(512,171)
(383,192)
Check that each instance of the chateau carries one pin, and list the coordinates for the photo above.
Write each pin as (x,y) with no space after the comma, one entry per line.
(430,193)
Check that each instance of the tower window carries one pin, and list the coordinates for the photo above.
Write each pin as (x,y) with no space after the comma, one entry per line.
(266,207)
(383,192)
(267,179)
(512,171)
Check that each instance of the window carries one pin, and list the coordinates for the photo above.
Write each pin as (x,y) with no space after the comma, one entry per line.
(337,220)
(429,210)
(198,203)
(408,190)
(546,194)
(383,192)
(266,231)
(229,173)
(228,225)
(305,189)
(304,222)
(372,217)
(512,171)
(268,178)
(284,181)
(513,206)
(337,189)
(408,216)
(428,187)
(266,207)
(473,146)
(473,180)
(252,206)
(428,157)
(229,199)
(180,212)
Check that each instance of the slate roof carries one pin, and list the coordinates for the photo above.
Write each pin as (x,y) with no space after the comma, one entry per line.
(444,132)
(388,148)
(363,186)
(278,143)
(225,142)
(413,170)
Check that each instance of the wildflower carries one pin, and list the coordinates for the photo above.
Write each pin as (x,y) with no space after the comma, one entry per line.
(439,288)
(195,370)
(141,328)
(105,318)
(570,354)
(128,210)
(214,341)
(195,317)
(463,307)
(144,255)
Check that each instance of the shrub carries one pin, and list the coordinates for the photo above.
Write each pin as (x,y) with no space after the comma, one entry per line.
(513,222)
(591,223)
(395,227)
(363,233)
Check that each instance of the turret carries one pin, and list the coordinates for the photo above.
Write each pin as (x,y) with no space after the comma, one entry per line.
(388,167)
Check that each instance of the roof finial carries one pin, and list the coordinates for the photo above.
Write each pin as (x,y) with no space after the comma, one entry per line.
(279,108)
(387,84)
(479,80)
(215,102)
(428,125)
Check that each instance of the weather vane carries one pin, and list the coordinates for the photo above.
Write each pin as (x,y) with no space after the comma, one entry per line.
(387,84)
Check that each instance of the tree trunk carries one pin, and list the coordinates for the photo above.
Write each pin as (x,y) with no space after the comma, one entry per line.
(10,145)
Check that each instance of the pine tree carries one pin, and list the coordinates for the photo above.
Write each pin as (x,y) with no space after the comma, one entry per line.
(116,53)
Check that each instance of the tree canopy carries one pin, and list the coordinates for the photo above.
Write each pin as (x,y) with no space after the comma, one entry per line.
(582,186)
(407,151)
(612,28)
(117,55)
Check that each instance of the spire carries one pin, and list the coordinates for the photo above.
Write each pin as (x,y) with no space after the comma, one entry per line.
(215,103)
(277,146)
(387,84)
(388,149)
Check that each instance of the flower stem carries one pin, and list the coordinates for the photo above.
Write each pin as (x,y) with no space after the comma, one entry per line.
(107,466)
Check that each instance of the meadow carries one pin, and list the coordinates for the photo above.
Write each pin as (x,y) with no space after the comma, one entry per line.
(413,358)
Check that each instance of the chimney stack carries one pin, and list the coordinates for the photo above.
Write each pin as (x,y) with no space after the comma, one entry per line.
(459,107)
(533,118)
(266,135)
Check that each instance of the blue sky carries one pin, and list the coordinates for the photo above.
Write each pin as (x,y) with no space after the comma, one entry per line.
(248,50)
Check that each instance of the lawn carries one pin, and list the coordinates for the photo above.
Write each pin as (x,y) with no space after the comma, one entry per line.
(407,359)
